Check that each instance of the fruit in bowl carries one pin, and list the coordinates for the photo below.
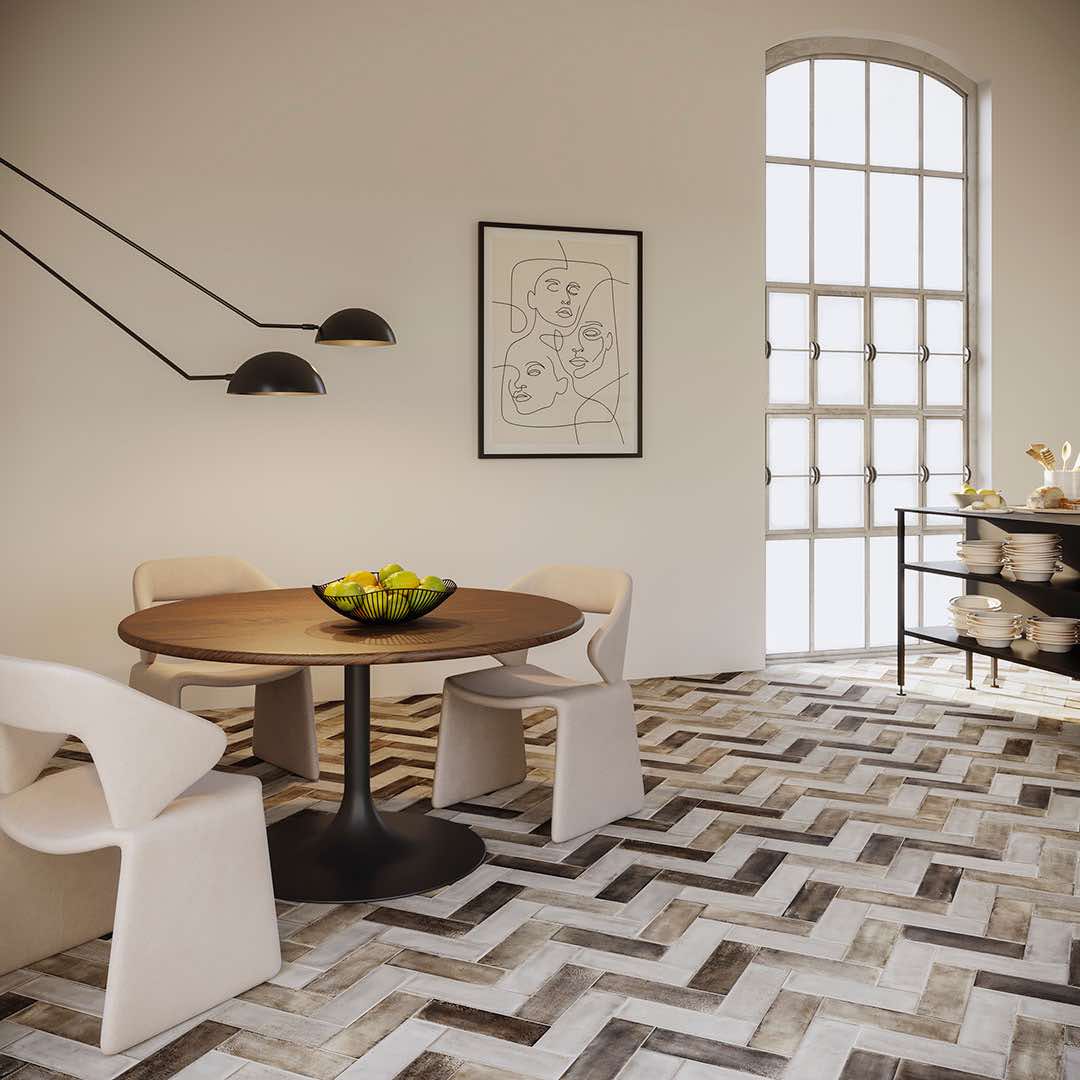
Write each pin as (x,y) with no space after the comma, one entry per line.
(390,595)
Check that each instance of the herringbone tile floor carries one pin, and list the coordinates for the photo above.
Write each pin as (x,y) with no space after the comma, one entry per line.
(826,881)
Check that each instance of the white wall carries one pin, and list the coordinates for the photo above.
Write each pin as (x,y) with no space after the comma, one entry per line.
(300,158)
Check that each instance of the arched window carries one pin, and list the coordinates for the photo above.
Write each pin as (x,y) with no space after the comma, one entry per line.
(870,333)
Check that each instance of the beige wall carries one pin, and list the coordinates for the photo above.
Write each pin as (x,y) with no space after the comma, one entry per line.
(304,157)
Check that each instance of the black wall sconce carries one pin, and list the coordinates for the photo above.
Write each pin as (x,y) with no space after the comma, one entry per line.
(268,373)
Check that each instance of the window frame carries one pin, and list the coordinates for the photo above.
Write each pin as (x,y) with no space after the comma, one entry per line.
(869,50)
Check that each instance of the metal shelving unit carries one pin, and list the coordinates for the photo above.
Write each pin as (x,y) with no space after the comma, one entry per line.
(1059,596)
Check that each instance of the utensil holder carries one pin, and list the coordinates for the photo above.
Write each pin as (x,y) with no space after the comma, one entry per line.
(1066,479)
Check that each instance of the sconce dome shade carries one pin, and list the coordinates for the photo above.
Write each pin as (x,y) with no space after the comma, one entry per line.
(355,326)
(276,373)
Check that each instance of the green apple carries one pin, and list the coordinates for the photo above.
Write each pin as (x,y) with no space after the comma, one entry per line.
(435,584)
(387,570)
(402,579)
(334,588)
(375,602)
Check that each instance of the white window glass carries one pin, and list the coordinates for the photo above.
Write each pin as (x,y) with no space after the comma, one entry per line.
(789,445)
(789,320)
(787,111)
(839,585)
(891,492)
(943,233)
(945,446)
(840,322)
(943,127)
(894,116)
(789,378)
(841,492)
(788,332)
(787,222)
(840,445)
(945,378)
(841,502)
(896,337)
(839,104)
(940,487)
(938,590)
(894,230)
(840,366)
(787,596)
(896,444)
(896,324)
(945,325)
(789,503)
(839,379)
(896,379)
(882,598)
(839,252)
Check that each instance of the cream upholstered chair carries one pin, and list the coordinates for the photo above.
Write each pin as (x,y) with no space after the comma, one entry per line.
(597,765)
(195,921)
(284,712)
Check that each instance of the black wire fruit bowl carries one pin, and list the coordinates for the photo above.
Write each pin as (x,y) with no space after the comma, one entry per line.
(386,607)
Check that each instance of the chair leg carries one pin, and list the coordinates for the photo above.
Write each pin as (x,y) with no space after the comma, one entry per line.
(195,922)
(597,765)
(480,749)
(285,725)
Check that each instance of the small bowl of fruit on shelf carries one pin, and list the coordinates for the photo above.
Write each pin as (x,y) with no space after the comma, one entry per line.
(984,499)
(390,596)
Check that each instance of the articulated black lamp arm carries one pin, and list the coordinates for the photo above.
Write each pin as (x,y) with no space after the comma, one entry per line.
(150,255)
(108,315)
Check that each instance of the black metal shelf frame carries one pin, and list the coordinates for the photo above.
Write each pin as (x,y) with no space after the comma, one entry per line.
(1060,596)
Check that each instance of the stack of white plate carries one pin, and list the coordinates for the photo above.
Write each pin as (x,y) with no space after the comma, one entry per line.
(960,608)
(995,629)
(981,556)
(1052,634)
(1033,556)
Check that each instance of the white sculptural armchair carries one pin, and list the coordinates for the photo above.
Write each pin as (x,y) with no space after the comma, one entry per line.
(284,711)
(597,765)
(195,920)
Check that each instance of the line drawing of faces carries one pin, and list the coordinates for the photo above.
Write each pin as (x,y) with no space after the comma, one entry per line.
(535,385)
(557,296)
(561,369)
(588,348)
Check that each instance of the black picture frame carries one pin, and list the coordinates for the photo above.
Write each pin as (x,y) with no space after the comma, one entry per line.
(486,360)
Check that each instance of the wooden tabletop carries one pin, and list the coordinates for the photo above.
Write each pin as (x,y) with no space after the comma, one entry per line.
(292,626)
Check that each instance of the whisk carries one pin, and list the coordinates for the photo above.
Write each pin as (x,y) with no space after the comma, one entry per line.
(1041,453)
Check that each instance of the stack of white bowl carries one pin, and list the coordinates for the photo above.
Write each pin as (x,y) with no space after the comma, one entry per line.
(981,556)
(1052,634)
(995,629)
(961,607)
(1033,556)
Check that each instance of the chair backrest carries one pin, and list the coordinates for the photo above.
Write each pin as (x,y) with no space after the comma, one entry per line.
(595,590)
(160,580)
(146,752)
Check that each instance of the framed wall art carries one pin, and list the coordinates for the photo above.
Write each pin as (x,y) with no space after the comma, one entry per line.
(560,341)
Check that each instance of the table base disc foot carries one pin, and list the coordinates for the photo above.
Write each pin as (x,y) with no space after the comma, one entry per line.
(317,857)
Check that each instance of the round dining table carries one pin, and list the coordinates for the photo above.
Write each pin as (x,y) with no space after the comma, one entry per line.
(359,853)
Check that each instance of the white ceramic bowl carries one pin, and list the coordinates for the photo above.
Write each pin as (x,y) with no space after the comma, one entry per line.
(1033,575)
(994,643)
(1031,538)
(975,603)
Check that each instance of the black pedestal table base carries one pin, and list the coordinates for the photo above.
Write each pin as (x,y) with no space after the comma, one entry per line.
(359,854)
